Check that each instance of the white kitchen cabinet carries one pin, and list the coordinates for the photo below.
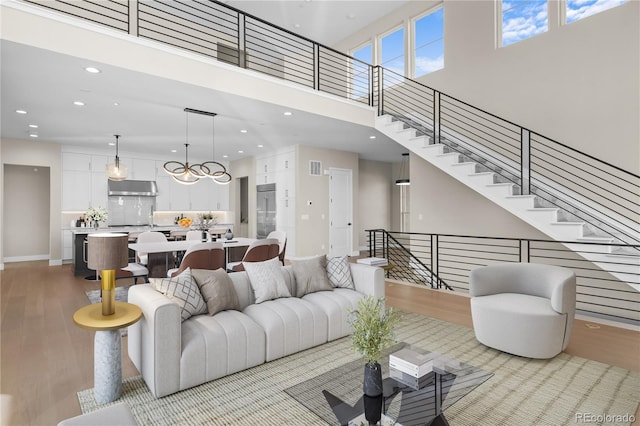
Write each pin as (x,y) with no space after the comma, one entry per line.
(99,190)
(67,245)
(142,169)
(76,162)
(163,200)
(76,190)
(99,163)
(201,195)
(266,170)
(221,199)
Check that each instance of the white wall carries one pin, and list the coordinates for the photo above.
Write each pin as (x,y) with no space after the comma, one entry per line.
(374,198)
(577,83)
(312,221)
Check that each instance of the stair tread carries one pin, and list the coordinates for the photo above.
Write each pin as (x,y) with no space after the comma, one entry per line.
(544,209)
(465,163)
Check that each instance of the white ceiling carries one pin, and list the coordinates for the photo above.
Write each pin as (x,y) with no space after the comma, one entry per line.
(150,114)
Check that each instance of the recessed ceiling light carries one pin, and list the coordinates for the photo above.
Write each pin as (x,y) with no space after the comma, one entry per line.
(351,16)
(21,111)
(260,146)
(225,156)
(174,150)
(240,151)
(92,70)
(243,131)
(296,25)
(111,143)
(116,104)
(287,113)
(372,137)
(33,126)
(78,103)
(33,135)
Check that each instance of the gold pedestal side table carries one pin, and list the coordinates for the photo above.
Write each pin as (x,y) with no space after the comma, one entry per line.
(107,347)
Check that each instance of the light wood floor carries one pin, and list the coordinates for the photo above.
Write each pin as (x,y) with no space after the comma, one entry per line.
(46,359)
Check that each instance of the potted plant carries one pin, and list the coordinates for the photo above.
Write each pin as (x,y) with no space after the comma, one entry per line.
(373,331)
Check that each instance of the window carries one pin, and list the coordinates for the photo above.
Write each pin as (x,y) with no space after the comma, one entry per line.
(392,51)
(429,43)
(360,72)
(578,9)
(523,19)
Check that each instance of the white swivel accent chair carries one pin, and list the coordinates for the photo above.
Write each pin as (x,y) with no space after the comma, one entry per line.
(193,235)
(524,309)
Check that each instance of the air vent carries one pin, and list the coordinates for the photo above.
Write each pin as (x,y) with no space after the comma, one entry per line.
(315,168)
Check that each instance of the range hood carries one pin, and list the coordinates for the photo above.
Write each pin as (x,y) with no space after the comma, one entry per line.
(138,188)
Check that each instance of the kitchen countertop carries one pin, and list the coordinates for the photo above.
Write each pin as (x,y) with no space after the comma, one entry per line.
(141,228)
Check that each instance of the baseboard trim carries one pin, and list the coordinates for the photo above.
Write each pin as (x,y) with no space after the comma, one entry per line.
(12,259)
(55,262)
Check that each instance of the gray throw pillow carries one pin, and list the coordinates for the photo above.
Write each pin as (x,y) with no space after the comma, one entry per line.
(184,291)
(311,275)
(267,279)
(217,290)
(339,272)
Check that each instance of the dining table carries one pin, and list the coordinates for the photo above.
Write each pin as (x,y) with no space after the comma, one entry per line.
(164,249)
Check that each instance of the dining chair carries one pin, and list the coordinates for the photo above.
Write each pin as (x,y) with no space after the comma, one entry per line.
(201,256)
(193,235)
(281,236)
(148,237)
(258,251)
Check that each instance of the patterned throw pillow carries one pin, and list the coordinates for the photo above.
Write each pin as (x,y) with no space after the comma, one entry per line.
(184,291)
(266,279)
(311,275)
(339,272)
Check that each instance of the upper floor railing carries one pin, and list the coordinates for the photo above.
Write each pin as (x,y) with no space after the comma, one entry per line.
(584,187)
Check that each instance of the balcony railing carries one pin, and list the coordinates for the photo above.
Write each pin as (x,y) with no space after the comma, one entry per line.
(445,261)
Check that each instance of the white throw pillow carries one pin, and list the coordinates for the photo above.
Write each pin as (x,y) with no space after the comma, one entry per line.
(183,290)
(339,272)
(266,279)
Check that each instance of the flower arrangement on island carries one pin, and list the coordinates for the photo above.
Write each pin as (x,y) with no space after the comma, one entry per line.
(206,220)
(95,215)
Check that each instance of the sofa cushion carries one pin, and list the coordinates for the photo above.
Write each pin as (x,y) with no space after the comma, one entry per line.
(339,272)
(217,290)
(267,280)
(290,325)
(311,275)
(184,291)
(219,345)
(337,305)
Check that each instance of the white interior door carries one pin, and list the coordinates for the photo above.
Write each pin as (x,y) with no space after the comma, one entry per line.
(340,212)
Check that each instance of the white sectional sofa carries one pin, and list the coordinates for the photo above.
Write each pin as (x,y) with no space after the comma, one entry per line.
(172,355)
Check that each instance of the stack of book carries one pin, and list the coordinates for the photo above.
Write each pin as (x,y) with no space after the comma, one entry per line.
(411,368)
(374,261)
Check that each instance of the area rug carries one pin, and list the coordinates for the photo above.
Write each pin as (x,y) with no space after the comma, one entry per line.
(563,390)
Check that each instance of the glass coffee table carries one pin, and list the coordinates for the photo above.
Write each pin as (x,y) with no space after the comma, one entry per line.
(336,396)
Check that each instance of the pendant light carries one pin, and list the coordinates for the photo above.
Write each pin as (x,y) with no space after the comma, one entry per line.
(115,170)
(213,169)
(403,177)
(182,172)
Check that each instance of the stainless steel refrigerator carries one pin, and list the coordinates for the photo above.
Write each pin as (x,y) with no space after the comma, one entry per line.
(266,206)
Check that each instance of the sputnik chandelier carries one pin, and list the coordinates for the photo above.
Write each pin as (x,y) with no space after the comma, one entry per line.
(190,174)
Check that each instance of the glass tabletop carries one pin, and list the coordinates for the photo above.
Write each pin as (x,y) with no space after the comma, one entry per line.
(336,396)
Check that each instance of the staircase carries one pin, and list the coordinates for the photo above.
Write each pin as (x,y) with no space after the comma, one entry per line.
(503,186)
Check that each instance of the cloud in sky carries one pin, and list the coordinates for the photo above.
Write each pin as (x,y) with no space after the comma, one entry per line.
(523,19)
(578,9)
(425,65)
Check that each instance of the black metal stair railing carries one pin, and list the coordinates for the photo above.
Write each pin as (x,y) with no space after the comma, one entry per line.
(404,264)
(585,188)
(603,290)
